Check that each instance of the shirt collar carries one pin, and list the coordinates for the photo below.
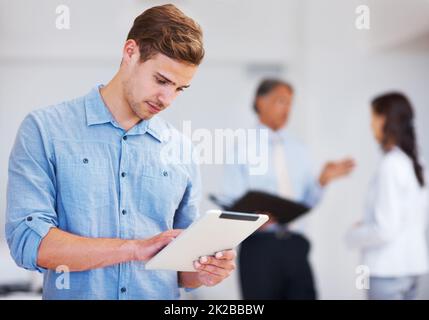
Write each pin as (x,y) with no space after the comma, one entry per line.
(155,126)
(281,134)
(98,113)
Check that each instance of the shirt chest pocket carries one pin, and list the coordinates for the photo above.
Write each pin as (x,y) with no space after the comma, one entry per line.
(162,190)
(84,181)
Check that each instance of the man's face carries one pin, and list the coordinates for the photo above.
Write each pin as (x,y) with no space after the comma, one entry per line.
(152,85)
(274,108)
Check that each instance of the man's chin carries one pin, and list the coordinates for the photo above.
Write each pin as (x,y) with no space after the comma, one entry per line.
(147,116)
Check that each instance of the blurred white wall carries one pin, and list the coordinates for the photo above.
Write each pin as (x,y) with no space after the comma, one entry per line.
(335,68)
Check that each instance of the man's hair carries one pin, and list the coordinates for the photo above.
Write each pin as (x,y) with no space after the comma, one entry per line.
(167,30)
(268,85)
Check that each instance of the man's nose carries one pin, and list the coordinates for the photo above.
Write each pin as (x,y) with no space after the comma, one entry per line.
(166,97)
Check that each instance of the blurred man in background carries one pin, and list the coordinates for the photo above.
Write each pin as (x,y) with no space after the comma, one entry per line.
(273,262)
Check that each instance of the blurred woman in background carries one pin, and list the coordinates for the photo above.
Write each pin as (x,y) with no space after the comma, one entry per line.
(392,233)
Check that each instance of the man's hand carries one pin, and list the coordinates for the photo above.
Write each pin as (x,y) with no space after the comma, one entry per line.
(147,248)
(211,270)
(214,269)
(336,169)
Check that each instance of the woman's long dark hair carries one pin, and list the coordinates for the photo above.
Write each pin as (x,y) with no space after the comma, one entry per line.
(399,127)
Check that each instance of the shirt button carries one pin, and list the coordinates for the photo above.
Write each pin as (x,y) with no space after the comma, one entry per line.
(85,160)
(125,137)
(123,174)
(165,173)
(124,212)
(29,218)
(123,289)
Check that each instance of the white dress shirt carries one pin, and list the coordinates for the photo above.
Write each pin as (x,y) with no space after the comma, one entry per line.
(284,185)
(392,234)
(289,174)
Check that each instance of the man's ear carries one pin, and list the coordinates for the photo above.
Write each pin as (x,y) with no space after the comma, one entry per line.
(131,49)
(259,101)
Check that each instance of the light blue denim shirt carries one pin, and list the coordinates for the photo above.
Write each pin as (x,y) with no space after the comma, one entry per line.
(73,167)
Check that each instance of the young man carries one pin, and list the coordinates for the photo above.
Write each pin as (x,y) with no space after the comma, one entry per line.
(274,263)
(87,190)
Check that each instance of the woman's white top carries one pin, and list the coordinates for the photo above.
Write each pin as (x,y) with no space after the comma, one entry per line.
(392,236)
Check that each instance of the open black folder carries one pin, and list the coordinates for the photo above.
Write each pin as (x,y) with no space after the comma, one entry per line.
(283,210)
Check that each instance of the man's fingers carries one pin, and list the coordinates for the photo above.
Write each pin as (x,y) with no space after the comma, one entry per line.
(164,238)
(170,234)
(348,163)
(226,255)
(349,168)
(162,242)
(173,232)
(222,259)
(220,264)
(212,269)
(344,166)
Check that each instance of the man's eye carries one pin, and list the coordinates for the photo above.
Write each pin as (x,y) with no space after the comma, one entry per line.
(160,81)
(180,89)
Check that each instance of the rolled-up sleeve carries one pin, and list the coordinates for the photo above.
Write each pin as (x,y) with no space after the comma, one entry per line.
(30,209)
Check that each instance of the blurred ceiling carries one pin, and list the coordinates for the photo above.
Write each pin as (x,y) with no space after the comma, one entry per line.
(397,23)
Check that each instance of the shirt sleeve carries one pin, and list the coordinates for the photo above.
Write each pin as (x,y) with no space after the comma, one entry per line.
(386,211)
(188,210)
(313,190)
(30,210)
